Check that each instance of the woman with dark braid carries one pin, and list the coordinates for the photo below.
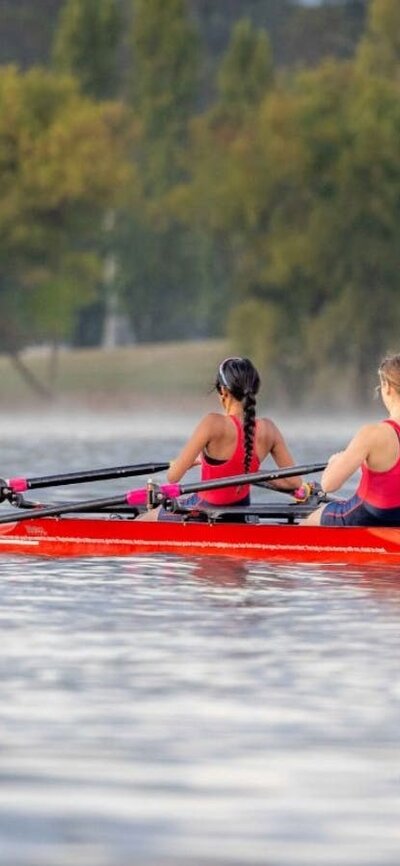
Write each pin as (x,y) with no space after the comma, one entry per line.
(232,443)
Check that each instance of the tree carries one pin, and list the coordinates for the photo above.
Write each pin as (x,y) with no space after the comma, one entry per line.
(379,50)
(86,45)
(332,246)
(305,195)
(164,86)
(246,70)
(165,265)
(62,164)
(362,310)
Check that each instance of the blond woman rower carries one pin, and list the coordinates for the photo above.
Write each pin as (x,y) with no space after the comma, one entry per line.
(376,450)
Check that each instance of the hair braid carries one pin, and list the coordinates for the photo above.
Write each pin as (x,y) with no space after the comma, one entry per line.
(242,380)
(249,426)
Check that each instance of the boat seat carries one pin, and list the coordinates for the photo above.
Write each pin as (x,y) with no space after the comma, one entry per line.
(287,513)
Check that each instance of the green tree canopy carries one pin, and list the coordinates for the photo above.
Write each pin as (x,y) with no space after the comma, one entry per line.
(164,85)
(165,267)
(62,164)
(379,50)
(86,44)
(246,70)
(306,198)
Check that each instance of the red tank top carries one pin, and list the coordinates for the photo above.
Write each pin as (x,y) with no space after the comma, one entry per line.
(381,489)
(233,466)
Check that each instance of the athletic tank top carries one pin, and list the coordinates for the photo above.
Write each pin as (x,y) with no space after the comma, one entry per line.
(233,466)
(381,489)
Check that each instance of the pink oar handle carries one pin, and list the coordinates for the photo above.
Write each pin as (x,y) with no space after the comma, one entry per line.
(139,497)
(17,485)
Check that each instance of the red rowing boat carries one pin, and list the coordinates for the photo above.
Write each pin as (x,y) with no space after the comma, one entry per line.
(108,536)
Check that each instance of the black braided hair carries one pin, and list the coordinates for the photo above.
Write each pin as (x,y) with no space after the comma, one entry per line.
(241,379)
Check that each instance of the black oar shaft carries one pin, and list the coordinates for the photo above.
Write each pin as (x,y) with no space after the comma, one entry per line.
(90,475)
(67,508)
(252,478)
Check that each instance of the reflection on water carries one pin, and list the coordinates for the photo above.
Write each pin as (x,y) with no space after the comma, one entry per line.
(164,711)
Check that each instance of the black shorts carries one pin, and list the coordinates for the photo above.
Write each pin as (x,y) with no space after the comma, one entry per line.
(354,512)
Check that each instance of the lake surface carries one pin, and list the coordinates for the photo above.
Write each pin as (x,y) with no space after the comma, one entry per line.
(185,712)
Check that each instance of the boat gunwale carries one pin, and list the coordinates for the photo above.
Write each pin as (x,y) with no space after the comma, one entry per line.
(80,536)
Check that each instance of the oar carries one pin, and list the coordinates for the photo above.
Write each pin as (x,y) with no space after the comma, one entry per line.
(20,485)
(67,508)
(171,491)
(159,494)
(308,491)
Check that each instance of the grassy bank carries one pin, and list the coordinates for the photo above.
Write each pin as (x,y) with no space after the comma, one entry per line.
(118,377)
(180,374)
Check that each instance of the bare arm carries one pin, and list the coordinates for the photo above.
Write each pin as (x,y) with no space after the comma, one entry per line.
(190,452)
(282,456)
(342,465)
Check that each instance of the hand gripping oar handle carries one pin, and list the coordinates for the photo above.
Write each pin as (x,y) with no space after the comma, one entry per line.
(20,485)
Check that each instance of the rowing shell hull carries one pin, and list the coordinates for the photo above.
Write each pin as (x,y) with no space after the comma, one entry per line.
(78,537)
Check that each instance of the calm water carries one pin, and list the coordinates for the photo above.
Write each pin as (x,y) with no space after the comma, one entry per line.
(172,712)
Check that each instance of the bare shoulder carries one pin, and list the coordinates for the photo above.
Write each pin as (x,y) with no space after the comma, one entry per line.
(372,432)
(268,437)
(381,434)
(271,441)
(375,443)
(215,418)
(371,428)
(269,429)
(211,422)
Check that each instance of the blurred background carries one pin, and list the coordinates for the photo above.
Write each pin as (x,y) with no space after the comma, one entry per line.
(184,179)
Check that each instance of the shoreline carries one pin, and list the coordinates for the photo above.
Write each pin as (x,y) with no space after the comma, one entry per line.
(149,381)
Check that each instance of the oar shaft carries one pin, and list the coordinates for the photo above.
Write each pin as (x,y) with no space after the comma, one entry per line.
(252,478)
(172,491)
(20,485)
(67,508)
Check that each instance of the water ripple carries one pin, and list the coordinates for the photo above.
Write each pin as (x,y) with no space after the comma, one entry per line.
(184,712)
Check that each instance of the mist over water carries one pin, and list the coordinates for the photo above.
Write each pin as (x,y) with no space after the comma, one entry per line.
(173,423)
(182,711)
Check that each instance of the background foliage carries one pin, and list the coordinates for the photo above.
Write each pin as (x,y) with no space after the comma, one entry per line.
(210,171)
